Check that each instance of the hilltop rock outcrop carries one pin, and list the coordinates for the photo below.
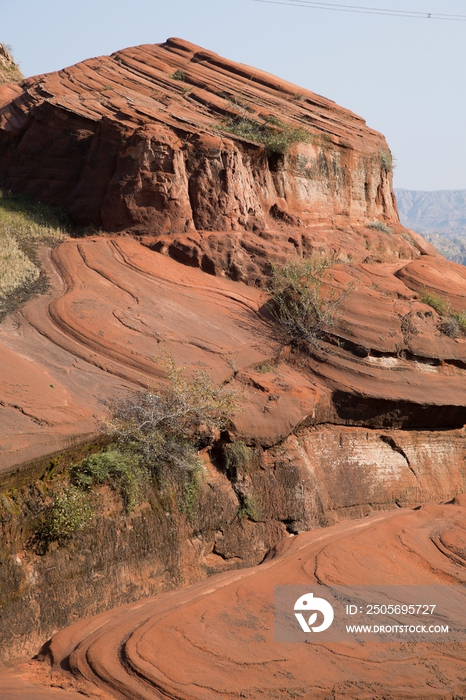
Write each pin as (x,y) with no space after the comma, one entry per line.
(142,140)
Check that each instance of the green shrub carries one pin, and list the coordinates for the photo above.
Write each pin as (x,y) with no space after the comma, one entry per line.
(264,368)
(249,509)
(122,470)
(191,488)
(460,318)
(70,512)
(237,457)
(178,75)
(453,323)
(306,299)
(275,135)
(379,226)
(440,305)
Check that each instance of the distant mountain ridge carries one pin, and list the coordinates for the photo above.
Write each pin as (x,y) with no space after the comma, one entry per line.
(440,216)
(442,211)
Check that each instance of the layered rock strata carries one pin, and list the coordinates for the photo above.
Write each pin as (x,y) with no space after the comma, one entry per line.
(373,421)
(138,139)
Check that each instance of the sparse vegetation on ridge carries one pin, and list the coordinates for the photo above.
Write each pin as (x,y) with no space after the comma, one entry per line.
(379,226)
(276,136)
(386,160)
(9,70)
(305,298)
(178,75)
(453,323)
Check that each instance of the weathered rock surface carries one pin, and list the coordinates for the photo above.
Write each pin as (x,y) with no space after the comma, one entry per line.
(366,425)
(216,638)
(122,143)
(370,418)
(121,305)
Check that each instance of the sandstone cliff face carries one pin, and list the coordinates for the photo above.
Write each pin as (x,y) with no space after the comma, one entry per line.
(122,143)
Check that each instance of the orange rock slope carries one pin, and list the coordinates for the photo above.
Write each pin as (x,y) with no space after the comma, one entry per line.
(386,371)
(216,639)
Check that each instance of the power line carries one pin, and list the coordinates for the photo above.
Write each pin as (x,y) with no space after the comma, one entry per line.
(358,9)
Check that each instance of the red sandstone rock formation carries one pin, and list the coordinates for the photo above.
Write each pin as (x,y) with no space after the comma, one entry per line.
(372,418)
(216,638)
(388,365)
(121,143)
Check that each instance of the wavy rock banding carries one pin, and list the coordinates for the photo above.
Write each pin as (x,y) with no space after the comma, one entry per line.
(221,631)
(369,418)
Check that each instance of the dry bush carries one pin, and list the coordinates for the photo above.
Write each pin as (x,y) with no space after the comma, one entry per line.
(306,298)
(167,424)
(379,226)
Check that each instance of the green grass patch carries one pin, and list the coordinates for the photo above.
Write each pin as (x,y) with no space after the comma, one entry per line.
(439,304)
(276,136)
(249,509)
(121,470)
(238,457)
(178,75)
(265,367)
(190,490)
(453,323)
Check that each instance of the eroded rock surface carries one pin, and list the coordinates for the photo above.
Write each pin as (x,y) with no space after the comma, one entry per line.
(121,306)
(371,417)
(216,639)
(133,139)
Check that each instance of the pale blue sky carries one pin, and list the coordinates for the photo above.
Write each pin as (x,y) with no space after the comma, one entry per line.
(406,77)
